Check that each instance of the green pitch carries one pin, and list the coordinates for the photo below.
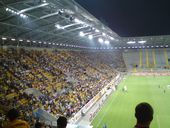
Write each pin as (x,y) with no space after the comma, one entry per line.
(118,111)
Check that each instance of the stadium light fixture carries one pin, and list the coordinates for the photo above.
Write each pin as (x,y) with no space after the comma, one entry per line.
(90,37)
(100,40)
(97,30)
(17,13)
(21,15)
(12,11)
(58,26)
(13,39)
(81,34)
(39,42)
(107,42)
(104,34)
(21,40)
(34,41)
(93,28)
(166,46)
(78,21)
(7,9)
(111,38)
(142,41)
(4,38)
(131,42)
(28,41)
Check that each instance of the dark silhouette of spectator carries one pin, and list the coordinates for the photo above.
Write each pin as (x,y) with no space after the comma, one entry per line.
(61,122)
(39,125)
(14,122)
(144,115)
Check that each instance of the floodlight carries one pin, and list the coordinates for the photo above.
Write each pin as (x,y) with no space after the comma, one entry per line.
(107,42)
(111,38)
(81,34)
(21,15)
(131,42)
(142,41)
(59,27)
(24,16)
(78,21)
(100,40)
(4,38)
(97,30)
(90,37)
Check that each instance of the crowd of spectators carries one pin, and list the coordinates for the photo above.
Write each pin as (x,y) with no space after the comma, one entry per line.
(67,80)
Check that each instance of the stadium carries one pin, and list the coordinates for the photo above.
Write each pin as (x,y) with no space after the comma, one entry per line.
(59,60)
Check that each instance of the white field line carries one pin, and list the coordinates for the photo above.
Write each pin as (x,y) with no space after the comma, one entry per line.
(157,119)
(109,106)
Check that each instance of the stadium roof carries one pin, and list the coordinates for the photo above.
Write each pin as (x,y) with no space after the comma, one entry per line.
(61,23)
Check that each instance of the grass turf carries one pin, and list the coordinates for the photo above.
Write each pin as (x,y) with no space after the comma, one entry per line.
(118,111)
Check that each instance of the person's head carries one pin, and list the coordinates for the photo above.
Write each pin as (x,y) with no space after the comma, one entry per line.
(61,122)
(144,113)
(39,125)
(13,114)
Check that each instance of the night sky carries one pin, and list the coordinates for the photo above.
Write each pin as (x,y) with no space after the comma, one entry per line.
(132,17)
